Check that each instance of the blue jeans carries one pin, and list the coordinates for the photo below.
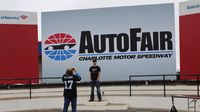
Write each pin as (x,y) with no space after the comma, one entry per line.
(67,102)
(97,85)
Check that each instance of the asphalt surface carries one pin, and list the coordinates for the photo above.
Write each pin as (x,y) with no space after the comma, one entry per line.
(129,110)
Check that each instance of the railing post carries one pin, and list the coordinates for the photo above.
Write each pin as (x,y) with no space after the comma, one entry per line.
(164,84)
(198,85)
(30,87)
(172,100)
(8,86)
(130,85)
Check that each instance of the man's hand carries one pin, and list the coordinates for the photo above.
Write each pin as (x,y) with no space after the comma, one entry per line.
(99,76)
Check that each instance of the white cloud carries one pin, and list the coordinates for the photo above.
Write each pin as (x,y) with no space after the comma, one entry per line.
(52,5)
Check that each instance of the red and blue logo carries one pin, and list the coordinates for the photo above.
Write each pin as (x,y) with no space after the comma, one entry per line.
(60,46)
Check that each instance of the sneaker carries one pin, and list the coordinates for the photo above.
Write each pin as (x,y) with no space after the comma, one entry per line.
(100,100)
(91,100)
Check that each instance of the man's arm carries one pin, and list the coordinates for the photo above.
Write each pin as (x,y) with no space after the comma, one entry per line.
(78,77)
(63,78)
(99,73)
(90,76)
(99,76)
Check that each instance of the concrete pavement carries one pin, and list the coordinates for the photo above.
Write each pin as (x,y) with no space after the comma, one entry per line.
(116,98)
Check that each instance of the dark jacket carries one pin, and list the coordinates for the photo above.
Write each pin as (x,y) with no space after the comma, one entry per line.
(70,88)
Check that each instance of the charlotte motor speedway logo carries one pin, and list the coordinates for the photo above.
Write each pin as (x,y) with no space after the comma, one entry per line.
(60,46)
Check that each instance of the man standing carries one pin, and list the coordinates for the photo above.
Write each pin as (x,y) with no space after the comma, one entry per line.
(70,89)
(95,76)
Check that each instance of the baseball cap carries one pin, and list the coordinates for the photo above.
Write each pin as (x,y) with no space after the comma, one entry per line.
(94,60)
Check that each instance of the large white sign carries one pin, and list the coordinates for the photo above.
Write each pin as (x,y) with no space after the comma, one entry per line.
(132,40)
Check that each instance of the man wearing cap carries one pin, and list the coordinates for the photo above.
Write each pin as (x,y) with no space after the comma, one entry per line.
(70,89)
(95,76)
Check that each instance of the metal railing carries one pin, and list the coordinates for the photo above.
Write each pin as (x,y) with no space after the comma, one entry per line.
(163,80)
(30,82)
(132,78)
